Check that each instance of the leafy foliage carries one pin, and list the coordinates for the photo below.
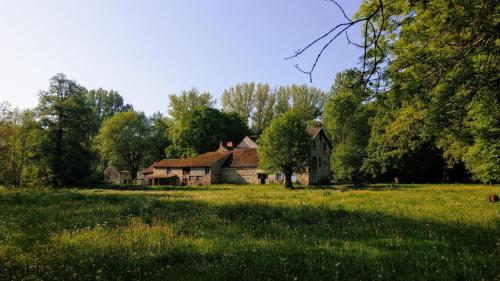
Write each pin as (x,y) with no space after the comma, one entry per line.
(187,100)
(346,122)
(199,130)
(281,146)
(66,119)
(123,140)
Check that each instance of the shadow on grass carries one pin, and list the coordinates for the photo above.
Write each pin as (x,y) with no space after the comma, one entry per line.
(155,188)
(377,187)
(238,241)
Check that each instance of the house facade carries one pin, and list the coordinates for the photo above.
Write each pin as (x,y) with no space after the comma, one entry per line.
(238,165)
(115,176)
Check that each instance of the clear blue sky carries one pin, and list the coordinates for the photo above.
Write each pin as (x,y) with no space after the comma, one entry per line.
(148,49)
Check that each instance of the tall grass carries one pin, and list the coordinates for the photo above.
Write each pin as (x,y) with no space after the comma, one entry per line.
(414,232)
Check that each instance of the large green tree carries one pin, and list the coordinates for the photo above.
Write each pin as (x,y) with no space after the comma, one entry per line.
(187,100)
(105,104)
(240,99)
(21,149)
(346,122)
(443,74)
(201,129)
(264,109)
(429,65)
(123,140)
(284,146)
(258,104)
(159,138)
(66,119)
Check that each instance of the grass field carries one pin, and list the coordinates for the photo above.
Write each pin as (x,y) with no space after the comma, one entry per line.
(404,232)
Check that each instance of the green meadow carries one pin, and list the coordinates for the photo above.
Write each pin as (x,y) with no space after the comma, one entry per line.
(225,232)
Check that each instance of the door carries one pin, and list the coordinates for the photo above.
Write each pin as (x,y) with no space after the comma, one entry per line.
(262,177)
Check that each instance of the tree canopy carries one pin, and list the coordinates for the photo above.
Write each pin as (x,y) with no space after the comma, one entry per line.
(201,129)
(123,140)
(284,146)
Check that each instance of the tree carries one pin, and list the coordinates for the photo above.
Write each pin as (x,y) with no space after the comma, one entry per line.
(123,140)
(20,148)
(264,109)
(240,99)
(428,65)
(482,157)
(66,121)
(284,146)
(5,133)
(201,129)
(282,100)
(308,100)
(254,103)
(346,122)
(187,100)
(159,138)
(105,104)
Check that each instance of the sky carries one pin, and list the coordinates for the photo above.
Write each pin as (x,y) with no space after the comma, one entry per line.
(149,49)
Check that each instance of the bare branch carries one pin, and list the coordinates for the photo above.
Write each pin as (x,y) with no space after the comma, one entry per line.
(341,9)
(340,28)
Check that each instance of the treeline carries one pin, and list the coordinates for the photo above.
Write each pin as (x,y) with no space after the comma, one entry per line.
(74,133)
(424,105)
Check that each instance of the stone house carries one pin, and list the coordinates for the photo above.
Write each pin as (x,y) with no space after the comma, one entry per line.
(115,176)
(237,165)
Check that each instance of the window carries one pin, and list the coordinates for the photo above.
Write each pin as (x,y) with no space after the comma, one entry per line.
(186,171)
(207,170)
(319,161)
(191,178)
(279,177)
(324,146)
(198,178)
(169,170)
(314,162)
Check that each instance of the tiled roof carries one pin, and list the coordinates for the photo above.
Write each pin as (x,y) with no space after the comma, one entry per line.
(244,157)
(148,170)
(160,176)
(202,160)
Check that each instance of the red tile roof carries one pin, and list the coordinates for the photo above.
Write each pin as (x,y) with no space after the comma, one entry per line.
(244,157)
(148,170)
(160,176)
(203,160)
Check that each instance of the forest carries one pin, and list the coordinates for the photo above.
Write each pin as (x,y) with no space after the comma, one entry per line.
(423,105)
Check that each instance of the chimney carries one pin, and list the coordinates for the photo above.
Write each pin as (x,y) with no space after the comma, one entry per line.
(222,147)
(229,145)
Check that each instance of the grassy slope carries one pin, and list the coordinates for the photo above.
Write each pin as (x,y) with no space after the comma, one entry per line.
(419,232)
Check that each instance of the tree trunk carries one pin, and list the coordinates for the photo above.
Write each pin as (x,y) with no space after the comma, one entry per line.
(288,180)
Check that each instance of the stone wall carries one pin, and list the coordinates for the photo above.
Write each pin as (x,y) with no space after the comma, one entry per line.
(240,175)
(247,176)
